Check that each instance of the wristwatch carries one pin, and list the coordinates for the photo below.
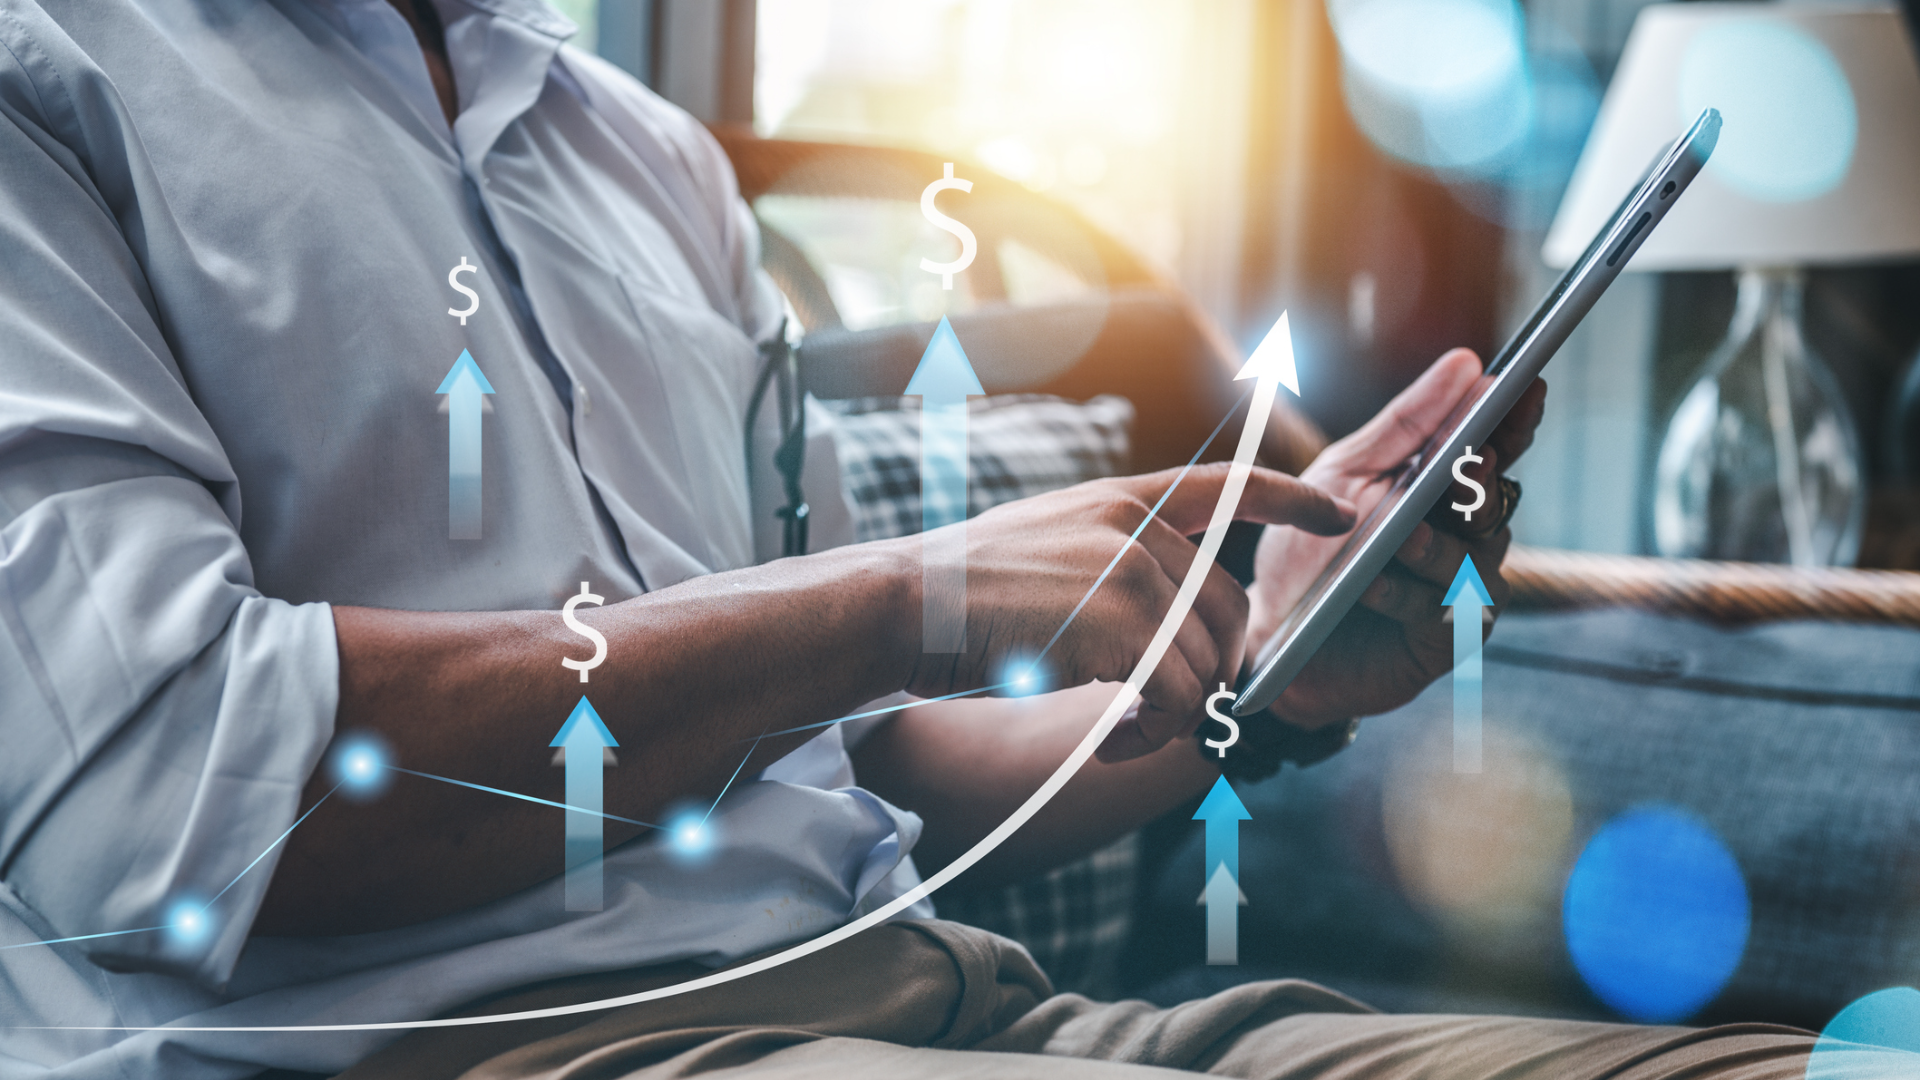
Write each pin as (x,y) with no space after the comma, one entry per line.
(1265,741)
(1255,747)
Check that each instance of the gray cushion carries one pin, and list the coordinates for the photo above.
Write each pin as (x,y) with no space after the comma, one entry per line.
(1798,743)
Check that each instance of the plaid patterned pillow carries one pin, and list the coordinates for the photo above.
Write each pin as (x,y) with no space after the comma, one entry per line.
(1018,445)
(1075,918)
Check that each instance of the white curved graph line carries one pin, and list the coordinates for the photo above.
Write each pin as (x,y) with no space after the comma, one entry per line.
(1270,376)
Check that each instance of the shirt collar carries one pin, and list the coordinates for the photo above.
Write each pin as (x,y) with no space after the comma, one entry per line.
(535,15)
(500,50)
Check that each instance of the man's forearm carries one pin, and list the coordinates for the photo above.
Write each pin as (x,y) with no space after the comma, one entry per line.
(694,674)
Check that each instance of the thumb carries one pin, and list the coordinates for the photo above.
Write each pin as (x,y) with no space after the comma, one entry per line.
(1399,430)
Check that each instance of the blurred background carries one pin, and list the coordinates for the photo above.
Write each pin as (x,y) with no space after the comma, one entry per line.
(1260,154)
(1702,782)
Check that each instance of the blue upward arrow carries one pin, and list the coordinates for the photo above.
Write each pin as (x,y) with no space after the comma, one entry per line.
(945,375)
(1467,597)
(943,382)
(1223,812)
(584,736)
(465,384)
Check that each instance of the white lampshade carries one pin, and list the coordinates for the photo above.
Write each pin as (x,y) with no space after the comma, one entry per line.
(1819,161)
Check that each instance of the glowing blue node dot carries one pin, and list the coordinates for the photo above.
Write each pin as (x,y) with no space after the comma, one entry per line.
(1023,675)
(690,837)
(359,764)
(1656,914)
(188,923)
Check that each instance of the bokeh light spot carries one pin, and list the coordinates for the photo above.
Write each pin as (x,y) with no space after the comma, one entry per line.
(1439,83)
(359,764)
(1656,914)
(1483,852)
(1886,1019)
(1791,123)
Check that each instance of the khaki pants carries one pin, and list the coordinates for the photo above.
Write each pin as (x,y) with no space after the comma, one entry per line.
(938,999)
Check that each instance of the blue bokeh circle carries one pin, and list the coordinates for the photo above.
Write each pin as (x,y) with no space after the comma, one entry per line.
(1889,1019)
(1656,914)
(1439,83)
(1791,121)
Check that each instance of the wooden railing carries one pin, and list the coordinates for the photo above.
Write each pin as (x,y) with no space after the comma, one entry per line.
(1725,592)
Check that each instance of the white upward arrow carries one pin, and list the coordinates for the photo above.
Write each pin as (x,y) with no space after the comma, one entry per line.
(1273,358)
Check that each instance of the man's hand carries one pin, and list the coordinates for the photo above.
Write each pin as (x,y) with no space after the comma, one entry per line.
(1393,643)
(966,764)
(1030,562)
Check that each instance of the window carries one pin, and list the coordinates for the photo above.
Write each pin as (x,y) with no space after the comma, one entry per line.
(1129,110)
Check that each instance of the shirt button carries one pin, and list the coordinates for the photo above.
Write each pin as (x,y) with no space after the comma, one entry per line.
(582,401)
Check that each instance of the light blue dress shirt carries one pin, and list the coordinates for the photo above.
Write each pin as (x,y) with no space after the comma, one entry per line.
(225,232)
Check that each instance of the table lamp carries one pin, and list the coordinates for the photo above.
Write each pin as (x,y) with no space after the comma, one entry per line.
(1818,164)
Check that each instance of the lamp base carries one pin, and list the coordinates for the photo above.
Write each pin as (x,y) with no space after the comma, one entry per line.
(1761,462)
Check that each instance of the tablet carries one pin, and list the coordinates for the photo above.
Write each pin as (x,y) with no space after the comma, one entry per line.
(1427,475)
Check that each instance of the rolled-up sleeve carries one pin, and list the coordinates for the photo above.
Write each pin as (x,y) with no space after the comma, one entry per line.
(158,716)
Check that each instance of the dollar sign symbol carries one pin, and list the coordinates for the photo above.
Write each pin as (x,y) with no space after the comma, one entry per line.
(1479,493)
(968,246)
(473,298)
(1233,729)
(585,631)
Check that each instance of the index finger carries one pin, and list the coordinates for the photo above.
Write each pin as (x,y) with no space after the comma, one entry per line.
(1270,498)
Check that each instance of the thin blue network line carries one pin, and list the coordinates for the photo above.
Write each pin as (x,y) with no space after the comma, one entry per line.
(1152,513)
(891,708)
(730,780)
(82,937)
(1071,616)
(209,904)
(1138,529)
(527,798)
(275,844)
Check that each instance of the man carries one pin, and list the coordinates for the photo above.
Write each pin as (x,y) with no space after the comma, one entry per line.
(226,226)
